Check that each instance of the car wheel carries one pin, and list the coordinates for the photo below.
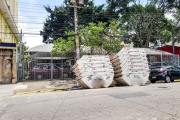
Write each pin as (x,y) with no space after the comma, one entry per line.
(167,79)
(65,75)
(39,77)
(153,81)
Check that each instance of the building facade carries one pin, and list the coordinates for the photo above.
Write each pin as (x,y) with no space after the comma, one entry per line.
(13,7)
(9,38)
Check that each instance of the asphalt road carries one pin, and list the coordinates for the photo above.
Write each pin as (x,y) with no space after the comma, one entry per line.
(160,101)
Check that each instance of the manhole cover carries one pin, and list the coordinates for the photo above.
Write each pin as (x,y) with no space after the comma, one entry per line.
(162,87)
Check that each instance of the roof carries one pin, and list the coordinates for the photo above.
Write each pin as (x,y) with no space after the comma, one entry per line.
(175,44)
(7,14)
(47,56)
(155,52)
(41,48)
(42,52)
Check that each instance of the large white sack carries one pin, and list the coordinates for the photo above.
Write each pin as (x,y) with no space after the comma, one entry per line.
(98,81)
(135,79)
(134,66)
(96,71)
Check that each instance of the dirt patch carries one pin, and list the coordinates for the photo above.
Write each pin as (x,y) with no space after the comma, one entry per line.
(64,83)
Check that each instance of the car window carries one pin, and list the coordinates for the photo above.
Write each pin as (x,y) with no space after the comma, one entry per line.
(36,67)
(54,67)
(157,68)
(45,67)
(170,68)
(175,68)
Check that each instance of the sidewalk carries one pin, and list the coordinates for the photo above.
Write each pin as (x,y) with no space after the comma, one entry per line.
(7,90)
(32,86)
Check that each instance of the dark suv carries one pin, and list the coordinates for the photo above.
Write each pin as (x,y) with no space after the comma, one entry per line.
(166,73)
(43,71)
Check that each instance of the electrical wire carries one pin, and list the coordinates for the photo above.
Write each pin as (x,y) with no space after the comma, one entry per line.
(38,5)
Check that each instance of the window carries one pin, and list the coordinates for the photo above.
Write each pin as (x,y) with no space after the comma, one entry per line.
(170,68)
(54,67)
(36,67)
(175,68)
(157,68)
(45,67)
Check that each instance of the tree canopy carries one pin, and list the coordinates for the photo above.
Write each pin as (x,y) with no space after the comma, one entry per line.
(143,24)
(95,39)
(61,19)
(102,38)
(139,22)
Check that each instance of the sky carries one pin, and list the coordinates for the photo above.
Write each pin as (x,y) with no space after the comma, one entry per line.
(31,16)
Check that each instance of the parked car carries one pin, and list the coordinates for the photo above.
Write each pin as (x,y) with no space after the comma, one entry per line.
(43,71)
(166,73)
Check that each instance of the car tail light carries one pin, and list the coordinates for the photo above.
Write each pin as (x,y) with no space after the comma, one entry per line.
(161,71)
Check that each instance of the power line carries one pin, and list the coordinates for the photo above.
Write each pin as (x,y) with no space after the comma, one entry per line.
(26,3)
(84,14)
(64,14)
(51,8)
(40,34)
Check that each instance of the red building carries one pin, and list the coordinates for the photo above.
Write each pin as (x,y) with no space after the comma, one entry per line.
(169,48)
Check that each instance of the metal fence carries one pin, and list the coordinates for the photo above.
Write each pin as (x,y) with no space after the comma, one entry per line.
(163,60)
(48,69)
(44,71)
(44,68)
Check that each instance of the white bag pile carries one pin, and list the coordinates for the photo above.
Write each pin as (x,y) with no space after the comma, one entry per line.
(130,67)
(94,71)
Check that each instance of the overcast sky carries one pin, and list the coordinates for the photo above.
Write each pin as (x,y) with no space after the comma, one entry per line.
(31,16)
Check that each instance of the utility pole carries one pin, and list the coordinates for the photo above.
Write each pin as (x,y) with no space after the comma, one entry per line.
(76,32)
(74,4)
(20,57)
(20,51)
